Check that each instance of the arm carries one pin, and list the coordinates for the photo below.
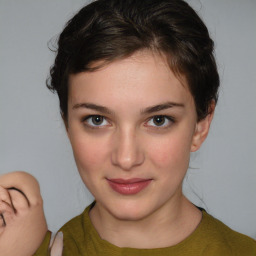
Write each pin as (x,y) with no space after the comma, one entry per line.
(22,221)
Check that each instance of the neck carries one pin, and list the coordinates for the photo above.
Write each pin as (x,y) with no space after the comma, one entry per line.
(167,226)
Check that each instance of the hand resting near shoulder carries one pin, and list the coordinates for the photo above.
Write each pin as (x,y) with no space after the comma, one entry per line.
(22,221)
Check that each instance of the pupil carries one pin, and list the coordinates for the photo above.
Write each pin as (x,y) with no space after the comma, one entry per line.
(159,120)
(97,120)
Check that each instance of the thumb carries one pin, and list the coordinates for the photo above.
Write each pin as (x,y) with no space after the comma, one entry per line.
(57,246)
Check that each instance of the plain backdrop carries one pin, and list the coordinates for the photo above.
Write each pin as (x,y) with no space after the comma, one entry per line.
(222,177)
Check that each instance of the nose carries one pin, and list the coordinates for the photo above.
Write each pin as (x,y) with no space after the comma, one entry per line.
(127,151)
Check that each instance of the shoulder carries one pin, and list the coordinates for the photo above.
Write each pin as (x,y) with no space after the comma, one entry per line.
(74,234)
(221,236)
(74,226)
(73,237)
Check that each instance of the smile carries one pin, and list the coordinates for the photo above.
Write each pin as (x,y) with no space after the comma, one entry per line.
(130,186)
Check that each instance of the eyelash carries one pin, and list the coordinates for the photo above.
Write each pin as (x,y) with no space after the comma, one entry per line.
(169,119)
(85,121)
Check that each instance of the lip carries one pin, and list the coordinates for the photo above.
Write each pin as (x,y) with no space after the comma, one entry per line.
(128,186)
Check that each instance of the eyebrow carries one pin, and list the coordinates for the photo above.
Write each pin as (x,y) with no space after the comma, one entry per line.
(147,110)
(99,108)
(160,107)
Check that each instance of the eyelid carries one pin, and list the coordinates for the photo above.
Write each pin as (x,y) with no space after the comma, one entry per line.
(84,120)
(169,118)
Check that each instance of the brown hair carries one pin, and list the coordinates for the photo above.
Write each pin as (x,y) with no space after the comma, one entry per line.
(107,30)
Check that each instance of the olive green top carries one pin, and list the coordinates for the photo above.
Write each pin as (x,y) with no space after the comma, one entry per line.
(211,237)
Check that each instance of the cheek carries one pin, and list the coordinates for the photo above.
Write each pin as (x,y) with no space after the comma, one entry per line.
(88,153)
(171,153)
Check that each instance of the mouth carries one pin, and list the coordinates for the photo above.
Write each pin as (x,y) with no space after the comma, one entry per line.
(128,186)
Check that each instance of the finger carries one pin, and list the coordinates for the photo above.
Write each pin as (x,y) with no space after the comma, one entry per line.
(57,246)
(19,202)
(3,223)
(21,193)
(4,195)
(24,182)
(6,214)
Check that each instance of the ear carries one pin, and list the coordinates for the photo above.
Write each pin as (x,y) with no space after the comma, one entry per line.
(202,129)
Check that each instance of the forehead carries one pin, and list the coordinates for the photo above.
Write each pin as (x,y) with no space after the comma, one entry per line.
(144,77)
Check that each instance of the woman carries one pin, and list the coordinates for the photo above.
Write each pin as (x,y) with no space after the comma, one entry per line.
(138,85)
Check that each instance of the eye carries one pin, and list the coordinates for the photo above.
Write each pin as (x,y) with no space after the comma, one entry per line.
(96,121)
(160,121)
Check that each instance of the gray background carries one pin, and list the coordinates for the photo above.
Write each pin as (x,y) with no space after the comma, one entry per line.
(222,177)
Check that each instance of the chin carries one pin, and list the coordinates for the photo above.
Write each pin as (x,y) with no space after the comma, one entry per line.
(130,210)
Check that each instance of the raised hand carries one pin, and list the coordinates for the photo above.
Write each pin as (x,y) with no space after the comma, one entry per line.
(22,221)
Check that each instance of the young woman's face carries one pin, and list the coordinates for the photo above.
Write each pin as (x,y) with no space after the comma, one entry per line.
(132,125)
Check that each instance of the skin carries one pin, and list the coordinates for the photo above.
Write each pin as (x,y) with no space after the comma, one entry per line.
(17,235)
(128,143)
(23,226)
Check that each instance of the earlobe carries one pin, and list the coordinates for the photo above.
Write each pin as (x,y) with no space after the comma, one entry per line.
(202,129)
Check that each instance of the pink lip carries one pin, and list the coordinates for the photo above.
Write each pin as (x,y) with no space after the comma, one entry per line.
(129,186)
